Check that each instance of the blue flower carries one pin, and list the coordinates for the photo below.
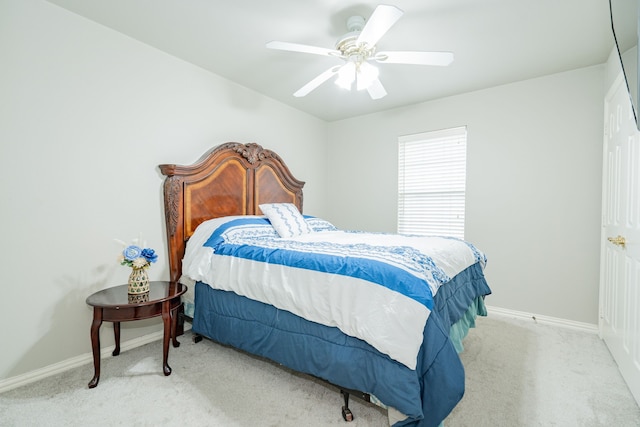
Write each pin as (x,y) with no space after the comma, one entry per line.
(132,252)
(149,255)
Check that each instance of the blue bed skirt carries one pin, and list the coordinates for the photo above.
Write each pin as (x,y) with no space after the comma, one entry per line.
(426,396)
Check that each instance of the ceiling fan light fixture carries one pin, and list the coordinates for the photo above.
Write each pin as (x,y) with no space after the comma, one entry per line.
(366,75)
(346,75)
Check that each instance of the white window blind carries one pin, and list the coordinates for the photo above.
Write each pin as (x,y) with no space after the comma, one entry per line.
(431,182)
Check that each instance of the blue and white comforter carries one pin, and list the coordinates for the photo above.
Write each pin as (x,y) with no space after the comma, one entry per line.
(373,286)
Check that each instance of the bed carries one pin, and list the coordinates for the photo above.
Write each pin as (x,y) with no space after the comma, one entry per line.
(402,357)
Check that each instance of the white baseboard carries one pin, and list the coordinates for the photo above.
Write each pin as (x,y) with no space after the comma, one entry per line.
(74,362)
(555,321)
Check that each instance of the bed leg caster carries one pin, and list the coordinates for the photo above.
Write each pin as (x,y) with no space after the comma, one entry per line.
(346,412)
(197,338)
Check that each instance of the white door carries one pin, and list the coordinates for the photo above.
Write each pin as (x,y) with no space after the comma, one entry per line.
(620,261)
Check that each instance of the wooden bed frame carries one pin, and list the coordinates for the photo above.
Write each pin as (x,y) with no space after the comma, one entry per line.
(230,179)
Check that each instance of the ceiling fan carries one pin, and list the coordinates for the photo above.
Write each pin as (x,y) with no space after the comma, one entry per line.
(358,48)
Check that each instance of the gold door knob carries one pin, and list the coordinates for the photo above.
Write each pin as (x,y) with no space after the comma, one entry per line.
(618,240)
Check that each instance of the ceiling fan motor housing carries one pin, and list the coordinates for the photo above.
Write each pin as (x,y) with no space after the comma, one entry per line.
(347,44)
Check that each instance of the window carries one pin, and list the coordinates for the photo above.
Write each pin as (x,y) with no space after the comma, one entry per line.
(431,182)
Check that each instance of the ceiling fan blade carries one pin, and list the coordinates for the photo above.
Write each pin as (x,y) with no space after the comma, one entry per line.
(323,77)
(417,58)
(382,18)
(295,47)
(376,90)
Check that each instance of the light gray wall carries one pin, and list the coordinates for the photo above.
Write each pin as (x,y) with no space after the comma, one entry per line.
(87,114)
(533,184)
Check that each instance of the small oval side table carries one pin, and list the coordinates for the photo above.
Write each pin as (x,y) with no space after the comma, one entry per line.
(116,305)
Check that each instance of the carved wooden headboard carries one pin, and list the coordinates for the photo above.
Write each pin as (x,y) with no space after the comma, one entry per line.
(230,179)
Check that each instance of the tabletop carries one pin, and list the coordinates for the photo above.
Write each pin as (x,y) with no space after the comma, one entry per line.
(117,296)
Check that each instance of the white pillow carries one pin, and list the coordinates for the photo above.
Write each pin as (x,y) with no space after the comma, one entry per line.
(286,219)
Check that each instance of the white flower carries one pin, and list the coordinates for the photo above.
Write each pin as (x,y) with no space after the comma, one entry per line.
(139,262)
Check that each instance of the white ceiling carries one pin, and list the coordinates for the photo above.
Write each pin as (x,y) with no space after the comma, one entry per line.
(494,42)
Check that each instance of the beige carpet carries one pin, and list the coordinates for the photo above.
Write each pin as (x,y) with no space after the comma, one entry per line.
(519,373)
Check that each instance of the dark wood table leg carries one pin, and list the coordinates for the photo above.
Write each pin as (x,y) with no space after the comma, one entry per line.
(116,334)
(95,345)
(166,319)
(180,322)
(175,313)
